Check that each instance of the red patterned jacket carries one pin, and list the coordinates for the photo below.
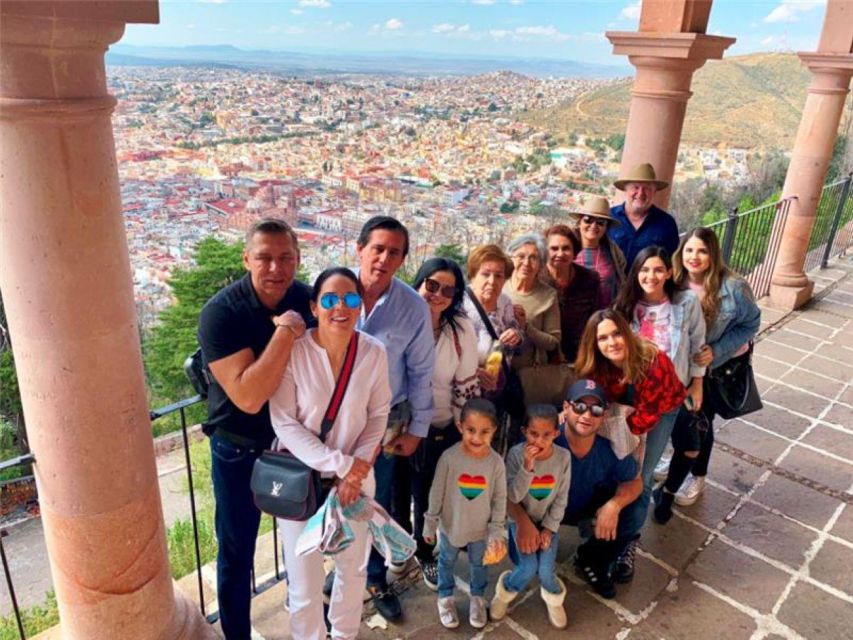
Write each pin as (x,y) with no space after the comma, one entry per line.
(660,392)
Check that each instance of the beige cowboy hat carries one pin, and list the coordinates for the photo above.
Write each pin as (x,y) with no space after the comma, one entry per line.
(641,173)
(598,207)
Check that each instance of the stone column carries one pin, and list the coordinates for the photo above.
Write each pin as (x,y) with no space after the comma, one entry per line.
(669,47)
(67,289)
(831,68)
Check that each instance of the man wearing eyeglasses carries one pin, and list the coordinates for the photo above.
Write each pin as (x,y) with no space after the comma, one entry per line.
(246,332)
(602,485)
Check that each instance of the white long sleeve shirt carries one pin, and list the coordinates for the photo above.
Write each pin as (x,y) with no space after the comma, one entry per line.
(454,379)
(298,405)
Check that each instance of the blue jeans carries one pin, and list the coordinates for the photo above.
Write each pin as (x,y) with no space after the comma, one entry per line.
(527,565)
(655,444)
(236,523)
(447,555)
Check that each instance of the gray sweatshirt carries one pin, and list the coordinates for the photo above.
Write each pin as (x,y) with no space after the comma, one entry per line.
(467,500)
(544,493)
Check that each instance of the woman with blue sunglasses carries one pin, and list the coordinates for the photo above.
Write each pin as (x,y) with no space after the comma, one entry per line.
(345,457)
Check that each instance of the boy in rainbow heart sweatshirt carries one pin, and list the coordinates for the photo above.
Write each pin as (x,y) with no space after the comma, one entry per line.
(467,507)
(538,477)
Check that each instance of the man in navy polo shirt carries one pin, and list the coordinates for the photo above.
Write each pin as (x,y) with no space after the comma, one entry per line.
(246,332)
(642,223)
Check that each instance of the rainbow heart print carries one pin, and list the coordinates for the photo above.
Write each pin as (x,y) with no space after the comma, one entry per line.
(471,486)
(541,487)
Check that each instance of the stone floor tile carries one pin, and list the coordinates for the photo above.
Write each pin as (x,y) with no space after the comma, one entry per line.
(690,613)
(830,362)
(771,535)
(796,501)
(847,394)
(832,440)
(834,308)
(844,525)
(649,580)
(740,576)
(778,351)
(840,415)
(810,328)
(832,473)
(754,441)
(811,382)
(709,509)
(815,614)
(796,340)
(588,617)
(778,420)
(831,566)
(675,543)
(732,472)
(796,400)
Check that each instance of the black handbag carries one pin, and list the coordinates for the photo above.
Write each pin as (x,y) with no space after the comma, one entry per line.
(731,388)
(283,485)
(197,372)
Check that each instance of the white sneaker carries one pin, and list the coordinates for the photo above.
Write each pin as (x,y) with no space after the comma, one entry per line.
(447,612)
(662,468)
(399,567)
(477,615)
(690,490)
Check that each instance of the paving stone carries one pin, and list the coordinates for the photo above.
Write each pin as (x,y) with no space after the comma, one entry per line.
(840,415)
(26,553)
(796,340)
(778,351)
(588,617)
(766,367)
(754,441)
(832,440)
(822,317)
(675,543)
(829,362)
(814,383)
(649,580)
(815,614)
(834,308)
(796,500)
(711,508)
(815,466)
(690,613)
(847,395)
(779,420)
(770,535)
(740,576)
(796,400)
(814,330)
(732,472)
(844,525)
(831,565)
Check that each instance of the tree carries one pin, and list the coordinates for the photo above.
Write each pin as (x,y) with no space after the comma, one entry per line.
(11,407)
(451,252)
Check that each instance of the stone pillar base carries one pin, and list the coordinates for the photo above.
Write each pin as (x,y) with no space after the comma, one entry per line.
(787,298)
(189,624)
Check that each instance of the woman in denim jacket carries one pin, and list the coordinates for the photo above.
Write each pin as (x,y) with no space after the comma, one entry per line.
(733,319)
(672,319)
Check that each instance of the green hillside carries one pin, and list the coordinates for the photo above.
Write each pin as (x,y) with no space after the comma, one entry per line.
(746,101)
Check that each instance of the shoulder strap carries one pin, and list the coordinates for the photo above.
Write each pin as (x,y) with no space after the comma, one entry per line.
(340,387)
(483,316)
(456,342)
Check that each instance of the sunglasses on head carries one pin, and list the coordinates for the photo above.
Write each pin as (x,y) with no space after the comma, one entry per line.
(330,300)
(581,408)
(600,222)
(434,286)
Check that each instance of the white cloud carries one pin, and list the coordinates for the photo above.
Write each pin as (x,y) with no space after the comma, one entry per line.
(483,2)
(444,27)
(789,10)
(516,2)
(540,31)
(316,4)
(499,34)
(394,24)
(297,12)
(464,28)
(631,12)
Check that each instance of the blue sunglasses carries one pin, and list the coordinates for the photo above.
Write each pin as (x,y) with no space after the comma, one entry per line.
(330,300)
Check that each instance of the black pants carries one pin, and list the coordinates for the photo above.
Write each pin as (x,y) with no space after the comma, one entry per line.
(414,479)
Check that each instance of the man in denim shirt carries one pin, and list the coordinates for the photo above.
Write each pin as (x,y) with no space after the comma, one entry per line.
(246,332)
(642,223)
(395,314)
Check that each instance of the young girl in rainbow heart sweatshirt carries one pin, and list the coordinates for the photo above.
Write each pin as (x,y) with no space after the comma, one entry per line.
(467,507)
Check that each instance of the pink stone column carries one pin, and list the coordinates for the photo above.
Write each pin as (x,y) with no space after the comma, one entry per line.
(67,288)
(668,48)
(831,68)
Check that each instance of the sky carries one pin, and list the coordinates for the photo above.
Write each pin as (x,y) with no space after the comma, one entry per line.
(557,29)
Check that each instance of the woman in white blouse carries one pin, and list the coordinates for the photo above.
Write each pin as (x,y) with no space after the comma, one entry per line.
(454,380)
(346,457)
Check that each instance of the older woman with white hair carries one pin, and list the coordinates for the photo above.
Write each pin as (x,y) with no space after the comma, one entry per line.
(535,303)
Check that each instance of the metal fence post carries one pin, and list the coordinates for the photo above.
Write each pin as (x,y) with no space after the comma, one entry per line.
(833,229)
(729,235)
(3,534)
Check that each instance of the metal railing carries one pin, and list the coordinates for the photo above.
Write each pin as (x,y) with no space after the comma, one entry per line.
(19,461)
(832,232)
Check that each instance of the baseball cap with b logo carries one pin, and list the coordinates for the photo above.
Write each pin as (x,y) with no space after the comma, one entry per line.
(583,389)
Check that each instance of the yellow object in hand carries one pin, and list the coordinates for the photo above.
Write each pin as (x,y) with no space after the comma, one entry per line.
(493,363)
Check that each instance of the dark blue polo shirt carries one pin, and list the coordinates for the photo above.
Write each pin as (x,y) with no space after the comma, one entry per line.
(659,228)
(232,320)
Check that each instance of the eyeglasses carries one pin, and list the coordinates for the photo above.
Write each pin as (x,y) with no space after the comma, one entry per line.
(434,286)
(599,222)
(330,300)
(581,408)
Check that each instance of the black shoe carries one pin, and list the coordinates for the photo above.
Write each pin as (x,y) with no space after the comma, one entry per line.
(599,579)
(663,505)
(386,601)
(624,571)
(429,570)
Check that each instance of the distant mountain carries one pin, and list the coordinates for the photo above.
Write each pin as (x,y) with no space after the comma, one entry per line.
(330,63)
(752,101)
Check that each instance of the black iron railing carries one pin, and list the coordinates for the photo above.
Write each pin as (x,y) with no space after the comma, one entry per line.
(832,233)
(19,461)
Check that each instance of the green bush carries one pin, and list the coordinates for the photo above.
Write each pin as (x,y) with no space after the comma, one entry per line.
(36,619)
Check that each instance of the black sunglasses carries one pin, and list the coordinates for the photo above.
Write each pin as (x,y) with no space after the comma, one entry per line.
(600,222)
(434,286)
(581,408)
